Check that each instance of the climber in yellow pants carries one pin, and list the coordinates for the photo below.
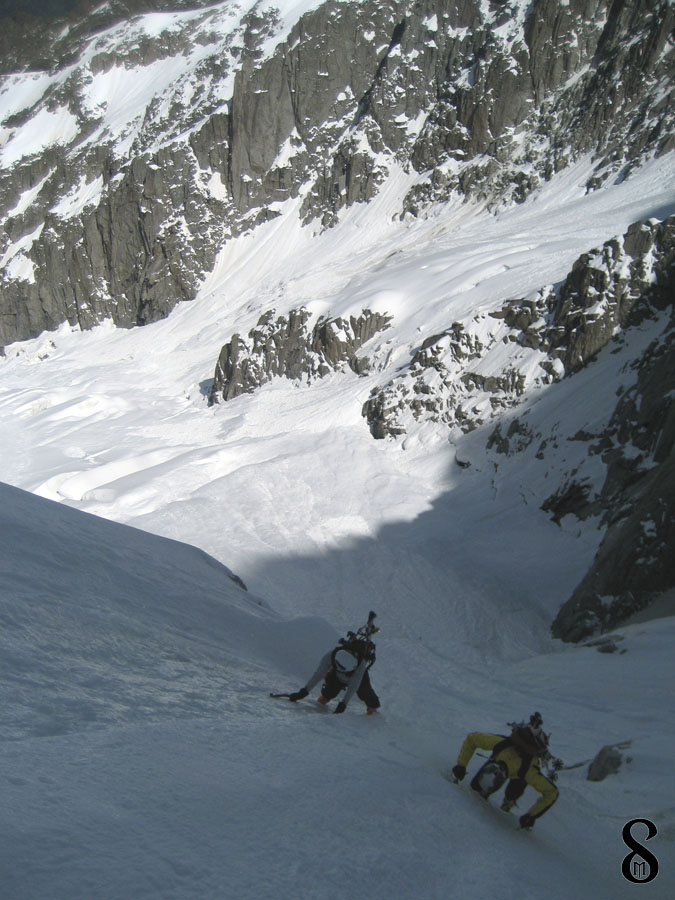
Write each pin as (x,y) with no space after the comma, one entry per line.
(515,757)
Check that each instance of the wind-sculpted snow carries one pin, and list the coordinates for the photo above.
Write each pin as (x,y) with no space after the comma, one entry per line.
(146,629)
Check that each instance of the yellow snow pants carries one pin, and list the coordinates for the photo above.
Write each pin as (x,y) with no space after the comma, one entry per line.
(513,761)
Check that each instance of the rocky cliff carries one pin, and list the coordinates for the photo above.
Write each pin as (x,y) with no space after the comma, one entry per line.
(132,148)
(635,562)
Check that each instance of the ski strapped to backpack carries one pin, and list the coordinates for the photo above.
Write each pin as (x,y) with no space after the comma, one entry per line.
(354,650)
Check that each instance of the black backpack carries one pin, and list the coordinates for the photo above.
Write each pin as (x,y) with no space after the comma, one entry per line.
(528,742)
(359,644)
(358,647)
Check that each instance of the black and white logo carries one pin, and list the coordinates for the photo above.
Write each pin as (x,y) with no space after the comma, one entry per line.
(639,866)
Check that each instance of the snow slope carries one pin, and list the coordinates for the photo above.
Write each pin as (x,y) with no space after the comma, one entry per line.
(142,757)
(116,423)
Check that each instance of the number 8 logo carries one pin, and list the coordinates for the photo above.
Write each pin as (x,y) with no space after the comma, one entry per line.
(629,868)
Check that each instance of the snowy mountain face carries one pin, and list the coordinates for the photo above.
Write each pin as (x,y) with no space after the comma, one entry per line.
(133,148)
(143,144)
(426,366)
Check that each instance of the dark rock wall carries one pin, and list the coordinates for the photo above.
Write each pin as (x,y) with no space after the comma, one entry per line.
(635,562)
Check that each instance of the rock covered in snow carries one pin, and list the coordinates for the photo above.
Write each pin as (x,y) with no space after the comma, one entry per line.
(634,564)
(463,378)
(607,761)
(286,346)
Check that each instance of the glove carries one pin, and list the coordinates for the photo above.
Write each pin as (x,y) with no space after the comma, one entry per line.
(298,695)
(459,772)
(341,707)
(526,821)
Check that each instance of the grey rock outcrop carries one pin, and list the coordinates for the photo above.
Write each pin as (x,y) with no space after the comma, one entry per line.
(286,346)
(634,564)
(435,386)
(611,289)
(607,761)
(554,79)
(132,268)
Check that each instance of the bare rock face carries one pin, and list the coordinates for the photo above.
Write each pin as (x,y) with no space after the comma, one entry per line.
(635,563)
(286,347)
(607,290)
